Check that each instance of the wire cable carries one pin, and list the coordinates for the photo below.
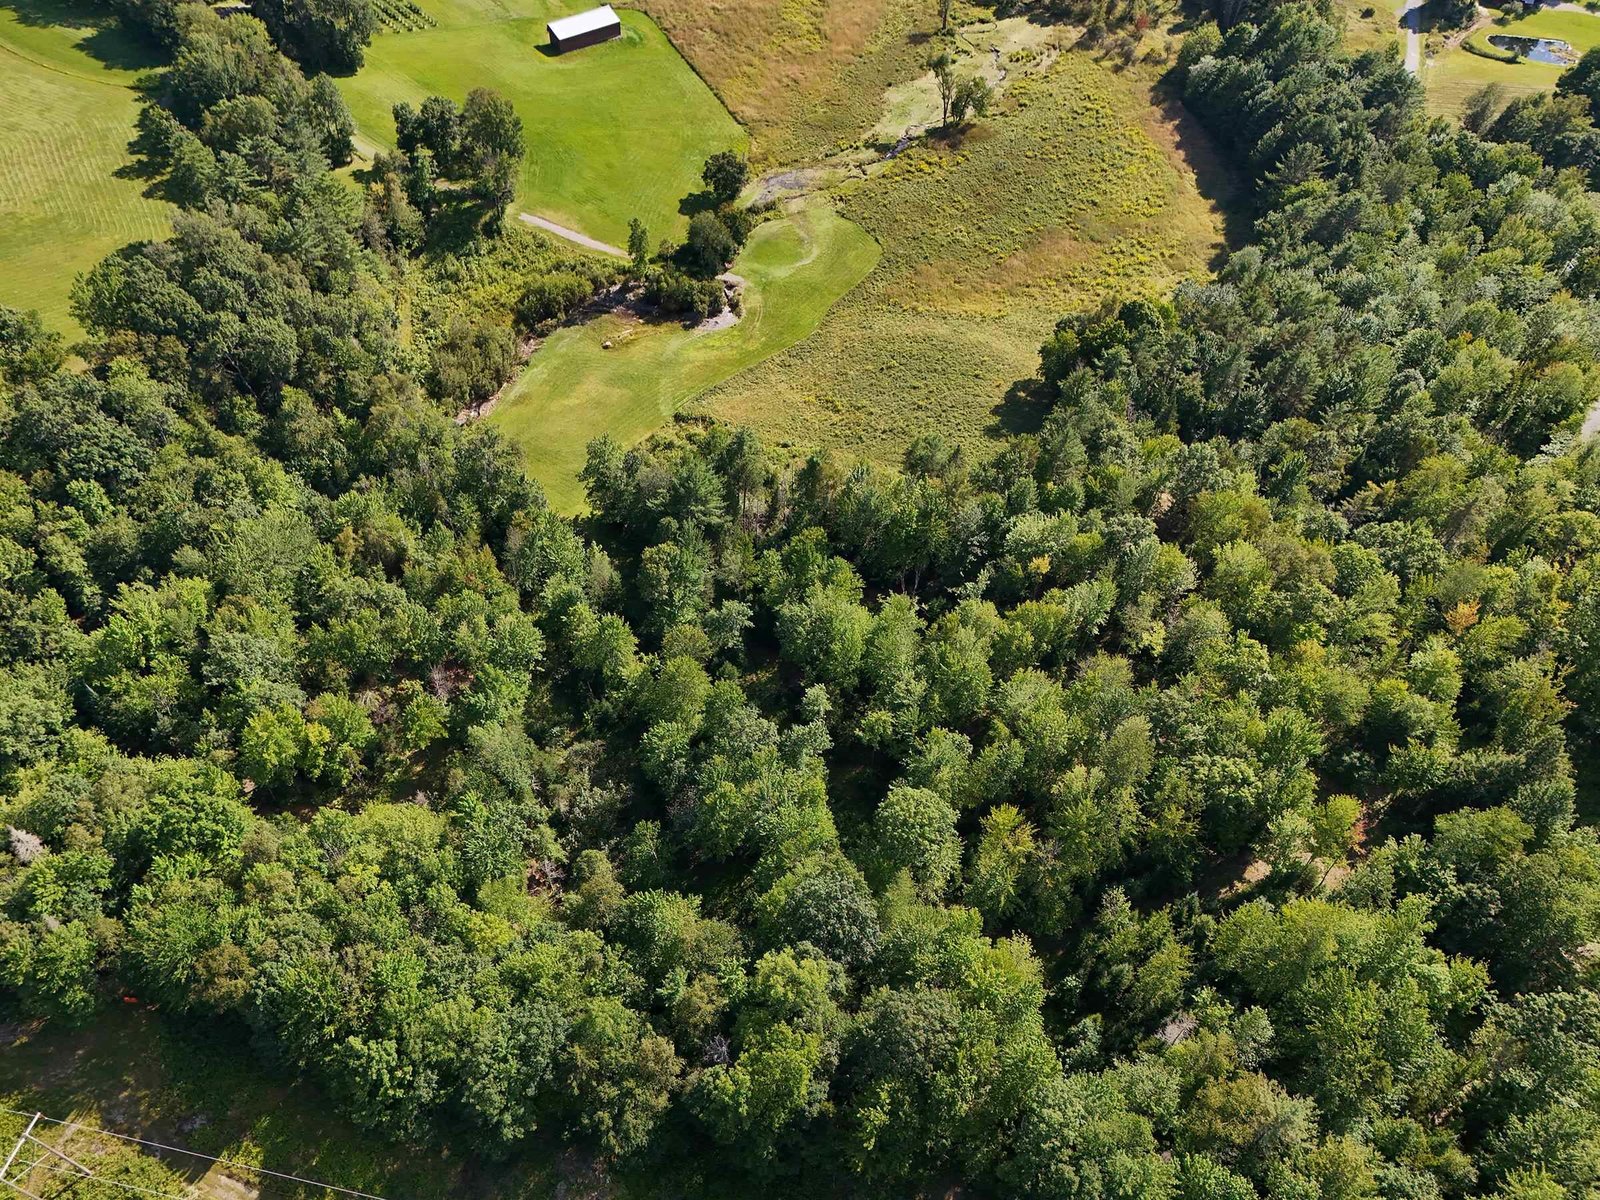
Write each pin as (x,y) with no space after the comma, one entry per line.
(17,1171)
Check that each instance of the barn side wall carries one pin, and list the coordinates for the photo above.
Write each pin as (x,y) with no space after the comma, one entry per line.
(593,38)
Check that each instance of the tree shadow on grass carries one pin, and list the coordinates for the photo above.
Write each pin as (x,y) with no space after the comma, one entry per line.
(148,165)
(152,174)
(1213,177)
(953,137)
(120,50)
(109,43)
(697,202)
(71,14)
(1022,409)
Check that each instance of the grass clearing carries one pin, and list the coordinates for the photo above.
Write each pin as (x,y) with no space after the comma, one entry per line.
(574,390)
(66,113)
(614,131)
(1457,73)
(1369,24)
(1076,188)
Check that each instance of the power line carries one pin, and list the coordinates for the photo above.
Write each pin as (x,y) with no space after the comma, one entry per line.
(225,1162)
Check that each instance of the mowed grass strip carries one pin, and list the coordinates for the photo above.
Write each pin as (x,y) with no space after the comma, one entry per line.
(1456,74)
(1073,191)
(574,390)
(614,131)
(65,119)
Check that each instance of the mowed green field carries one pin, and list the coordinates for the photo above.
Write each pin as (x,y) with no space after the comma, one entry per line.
(575,390)
(66,114)
(614,131)
(1458,73)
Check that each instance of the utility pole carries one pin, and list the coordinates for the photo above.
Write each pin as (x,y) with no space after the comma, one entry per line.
(23,1139)
(17,1149)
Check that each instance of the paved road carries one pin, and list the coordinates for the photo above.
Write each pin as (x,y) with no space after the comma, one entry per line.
(572,235)
(583,239)
(1411,17)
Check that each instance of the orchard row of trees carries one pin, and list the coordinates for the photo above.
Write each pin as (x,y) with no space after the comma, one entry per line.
(1189,800)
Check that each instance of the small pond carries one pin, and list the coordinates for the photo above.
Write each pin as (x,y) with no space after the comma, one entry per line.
(1541,50)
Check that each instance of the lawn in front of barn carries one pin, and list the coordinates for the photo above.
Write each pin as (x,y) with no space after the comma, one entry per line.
(614,131)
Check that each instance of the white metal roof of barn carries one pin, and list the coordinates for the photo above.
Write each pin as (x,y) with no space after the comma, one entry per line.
(584,22)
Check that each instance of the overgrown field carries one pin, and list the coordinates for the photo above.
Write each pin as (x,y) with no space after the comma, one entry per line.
(575,389)
(1369,24)
(1456,74)
(614,131)
(66,114)
(485,283)
(201,1089)
(806,76)
(1074,190)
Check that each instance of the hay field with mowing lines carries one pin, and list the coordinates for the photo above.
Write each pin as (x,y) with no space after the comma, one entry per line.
(574,390)
(613,131)
(1072,191)
(66,114)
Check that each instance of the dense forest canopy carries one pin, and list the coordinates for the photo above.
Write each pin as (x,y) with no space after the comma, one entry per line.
(1193,800)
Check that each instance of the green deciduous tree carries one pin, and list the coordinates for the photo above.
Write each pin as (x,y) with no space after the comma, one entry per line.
(724,175)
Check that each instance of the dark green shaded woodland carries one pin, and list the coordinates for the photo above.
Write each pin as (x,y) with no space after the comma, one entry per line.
(1192,801)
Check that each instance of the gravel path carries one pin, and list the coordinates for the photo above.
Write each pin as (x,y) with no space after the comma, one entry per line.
(572,235)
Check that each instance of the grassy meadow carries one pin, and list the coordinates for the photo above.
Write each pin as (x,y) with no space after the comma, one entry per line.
(807,77)
(66,114)
(1076,188)
(614,131)
(574,389)
(1458,73)
(1369,24)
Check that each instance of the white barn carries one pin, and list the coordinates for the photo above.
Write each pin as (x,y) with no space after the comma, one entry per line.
(584,29)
